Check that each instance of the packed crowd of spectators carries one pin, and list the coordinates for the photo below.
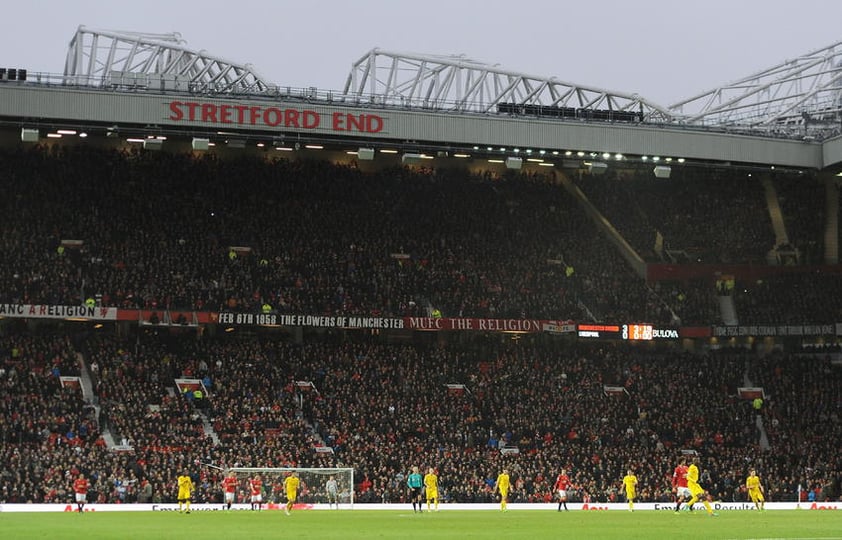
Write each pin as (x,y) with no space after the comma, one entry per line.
(803,206)
(712,215)
(310,237)
(810,297)
(593,409)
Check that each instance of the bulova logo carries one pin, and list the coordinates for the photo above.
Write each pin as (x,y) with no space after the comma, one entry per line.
(669,333)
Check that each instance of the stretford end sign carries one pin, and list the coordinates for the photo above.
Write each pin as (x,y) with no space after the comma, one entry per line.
(273,117)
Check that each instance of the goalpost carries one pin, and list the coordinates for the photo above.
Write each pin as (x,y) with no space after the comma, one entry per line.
(316,486)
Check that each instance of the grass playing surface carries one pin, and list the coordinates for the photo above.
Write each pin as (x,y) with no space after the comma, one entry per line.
(404,524)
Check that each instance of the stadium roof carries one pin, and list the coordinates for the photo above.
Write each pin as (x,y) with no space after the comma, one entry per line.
(459,83)
(95,56)
(797,98)
(801,96)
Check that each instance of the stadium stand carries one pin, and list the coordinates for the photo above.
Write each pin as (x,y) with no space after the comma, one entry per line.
(158,231)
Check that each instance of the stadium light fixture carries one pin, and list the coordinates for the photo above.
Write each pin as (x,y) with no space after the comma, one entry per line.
(410,158)
(314,146)
(388,151)
(365,154)
(662,171)
(152,144)
(597,167)
(200,144)
(514,163)
(66,131)
(83,135)
(29,135)
(54,135)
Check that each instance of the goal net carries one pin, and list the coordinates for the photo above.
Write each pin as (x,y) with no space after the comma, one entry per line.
(333,488)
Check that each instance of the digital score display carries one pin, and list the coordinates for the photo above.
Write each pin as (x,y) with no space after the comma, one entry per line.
(637,332)
(604,331)
(630,332)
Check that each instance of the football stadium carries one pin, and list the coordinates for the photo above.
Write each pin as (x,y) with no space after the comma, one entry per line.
(449,300)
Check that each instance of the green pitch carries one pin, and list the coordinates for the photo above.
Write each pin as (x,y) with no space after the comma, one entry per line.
(404,524)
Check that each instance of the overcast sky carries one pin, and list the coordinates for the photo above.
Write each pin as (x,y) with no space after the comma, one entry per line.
(664,50)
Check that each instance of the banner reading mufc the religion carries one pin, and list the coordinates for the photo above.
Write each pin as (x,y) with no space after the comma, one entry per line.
(40,311)
(405,323)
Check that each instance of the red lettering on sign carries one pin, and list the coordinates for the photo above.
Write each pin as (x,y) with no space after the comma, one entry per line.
(311,119)
(225,114)
(291,118)
(338,121)
(241,110)
(177,113)
(272,116)
(209,113)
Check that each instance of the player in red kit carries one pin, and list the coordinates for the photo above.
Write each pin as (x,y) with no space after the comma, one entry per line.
(562,484)
(80,488)
(229,487)
(256,485)
(679,483)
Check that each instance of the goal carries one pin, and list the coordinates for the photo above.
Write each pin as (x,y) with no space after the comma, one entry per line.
(315,486)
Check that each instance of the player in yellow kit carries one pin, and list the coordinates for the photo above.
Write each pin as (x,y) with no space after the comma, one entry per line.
(502,485)
(431,485)
(755,490)
(185,490)
(291,484)
(697,492)
(630,483)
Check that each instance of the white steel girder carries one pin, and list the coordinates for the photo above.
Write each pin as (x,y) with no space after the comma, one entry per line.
(102,57)
(802,96)
(458,83)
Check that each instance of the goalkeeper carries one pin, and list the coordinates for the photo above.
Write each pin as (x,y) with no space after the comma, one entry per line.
(332,489)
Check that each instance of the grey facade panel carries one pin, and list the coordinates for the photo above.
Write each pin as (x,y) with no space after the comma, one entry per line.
(145,108)
(832,151)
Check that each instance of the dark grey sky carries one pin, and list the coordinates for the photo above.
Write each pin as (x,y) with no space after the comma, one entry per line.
(665,50)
